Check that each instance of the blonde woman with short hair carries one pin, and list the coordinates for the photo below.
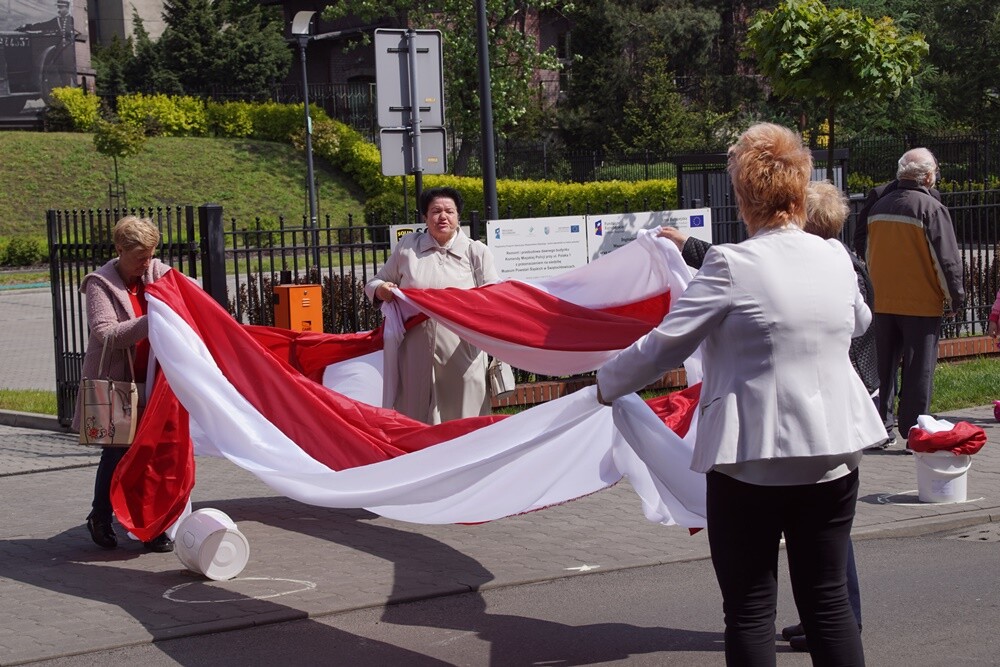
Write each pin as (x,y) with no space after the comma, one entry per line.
(783,417)
(116,313)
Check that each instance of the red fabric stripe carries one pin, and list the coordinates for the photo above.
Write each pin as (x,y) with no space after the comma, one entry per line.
(329,427)
(153,480)
(310,352)
(519,313)
(676,409)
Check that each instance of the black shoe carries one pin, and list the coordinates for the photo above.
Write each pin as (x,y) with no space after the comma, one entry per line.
(792,631)
(885,444)
(161,544)
(102,532)
(798,643)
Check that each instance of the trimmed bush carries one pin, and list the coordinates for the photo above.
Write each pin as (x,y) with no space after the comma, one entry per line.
(24,251)
(518,199)
(281,122)
(72,109)
(232,119)
(166,115)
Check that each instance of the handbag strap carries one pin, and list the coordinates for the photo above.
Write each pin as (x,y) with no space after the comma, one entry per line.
(104,351)
(476,263)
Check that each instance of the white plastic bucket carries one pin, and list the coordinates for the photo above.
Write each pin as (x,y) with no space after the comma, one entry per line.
(942,477)
(209,543)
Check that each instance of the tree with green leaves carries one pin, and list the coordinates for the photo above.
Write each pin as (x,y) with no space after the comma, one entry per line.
(966,61)
(255,54)
(810,52)
(629,57)
(110,62)
(191,44)
(514,56)
(118,141)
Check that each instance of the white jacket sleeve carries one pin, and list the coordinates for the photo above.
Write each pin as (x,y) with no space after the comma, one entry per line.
(698,311)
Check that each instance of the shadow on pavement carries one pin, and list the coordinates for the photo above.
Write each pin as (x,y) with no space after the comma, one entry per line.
(427,568)
(68,565)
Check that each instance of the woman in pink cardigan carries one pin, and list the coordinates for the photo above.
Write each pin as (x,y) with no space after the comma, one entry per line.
(116,312)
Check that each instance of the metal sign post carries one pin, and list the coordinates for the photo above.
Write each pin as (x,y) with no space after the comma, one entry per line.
(409,83)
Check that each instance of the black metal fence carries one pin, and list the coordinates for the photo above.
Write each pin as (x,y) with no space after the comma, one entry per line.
(963,159)
(240,265)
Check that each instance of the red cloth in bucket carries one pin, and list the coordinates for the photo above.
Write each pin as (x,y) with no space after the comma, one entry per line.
(963,439)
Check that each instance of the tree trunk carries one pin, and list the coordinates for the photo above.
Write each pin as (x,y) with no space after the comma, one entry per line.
(461,166)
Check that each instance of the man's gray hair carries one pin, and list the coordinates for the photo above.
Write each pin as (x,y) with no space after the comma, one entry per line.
(916,164)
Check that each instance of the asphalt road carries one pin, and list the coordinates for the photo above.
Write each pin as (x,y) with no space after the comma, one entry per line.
(927,601)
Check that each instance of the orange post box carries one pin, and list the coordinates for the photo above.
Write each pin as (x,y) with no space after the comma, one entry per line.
(298,307)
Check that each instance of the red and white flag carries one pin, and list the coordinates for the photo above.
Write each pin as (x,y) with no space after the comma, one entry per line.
(257,397)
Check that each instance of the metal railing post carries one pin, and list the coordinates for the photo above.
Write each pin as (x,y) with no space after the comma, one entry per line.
(213,252)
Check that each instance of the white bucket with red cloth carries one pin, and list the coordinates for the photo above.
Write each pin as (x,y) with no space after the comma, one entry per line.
(942,477)
(209,543)
(943,452)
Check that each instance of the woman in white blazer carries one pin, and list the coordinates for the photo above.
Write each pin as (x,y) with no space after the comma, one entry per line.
(783,417)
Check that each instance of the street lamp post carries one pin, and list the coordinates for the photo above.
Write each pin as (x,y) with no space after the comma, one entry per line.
(302,30)
(486,114)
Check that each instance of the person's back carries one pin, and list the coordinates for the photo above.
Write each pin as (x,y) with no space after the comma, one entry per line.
(910,272)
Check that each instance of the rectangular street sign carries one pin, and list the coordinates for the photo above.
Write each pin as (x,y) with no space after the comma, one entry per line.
(397,151)
(392,77)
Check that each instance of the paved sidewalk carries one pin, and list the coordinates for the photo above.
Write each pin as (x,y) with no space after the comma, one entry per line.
(61,595)
(27,346)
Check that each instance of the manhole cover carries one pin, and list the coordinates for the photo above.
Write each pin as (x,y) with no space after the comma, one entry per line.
(985,533)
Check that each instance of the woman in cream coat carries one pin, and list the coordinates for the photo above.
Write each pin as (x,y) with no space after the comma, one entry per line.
(441,376)
(783,416)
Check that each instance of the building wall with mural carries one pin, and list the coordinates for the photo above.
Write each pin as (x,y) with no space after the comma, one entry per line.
(42,46)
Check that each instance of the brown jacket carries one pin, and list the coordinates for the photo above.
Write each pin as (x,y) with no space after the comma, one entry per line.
(110,316)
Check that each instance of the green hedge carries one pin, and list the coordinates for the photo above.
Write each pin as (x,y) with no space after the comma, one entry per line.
(165,115)
(544,198)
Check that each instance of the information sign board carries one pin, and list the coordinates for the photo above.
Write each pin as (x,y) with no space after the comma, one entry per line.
(537,247)
(611,231)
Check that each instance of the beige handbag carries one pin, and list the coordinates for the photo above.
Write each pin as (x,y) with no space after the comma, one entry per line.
(501,376)
(110,407)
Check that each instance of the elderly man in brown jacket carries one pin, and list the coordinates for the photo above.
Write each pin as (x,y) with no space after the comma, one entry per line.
(916,269)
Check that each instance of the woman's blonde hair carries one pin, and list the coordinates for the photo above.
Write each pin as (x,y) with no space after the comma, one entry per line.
(826,209)
(134,232)
(770,169)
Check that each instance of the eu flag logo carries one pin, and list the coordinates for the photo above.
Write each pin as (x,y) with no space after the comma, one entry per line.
(697,221)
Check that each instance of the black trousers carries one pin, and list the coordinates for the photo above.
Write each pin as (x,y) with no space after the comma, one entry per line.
(911,343)
(110,456)
(745,525)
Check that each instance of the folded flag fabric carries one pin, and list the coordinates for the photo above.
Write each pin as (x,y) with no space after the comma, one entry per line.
(934,435)
(253,397)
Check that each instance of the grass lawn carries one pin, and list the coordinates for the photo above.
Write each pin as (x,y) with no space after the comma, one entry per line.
(63,170)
